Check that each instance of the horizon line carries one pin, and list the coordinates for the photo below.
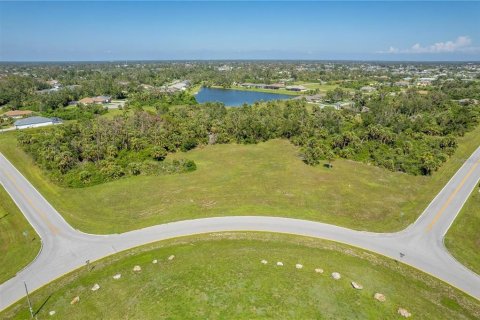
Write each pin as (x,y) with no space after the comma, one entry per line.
(237,60)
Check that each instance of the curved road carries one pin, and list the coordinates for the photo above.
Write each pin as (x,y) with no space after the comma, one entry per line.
(65,249)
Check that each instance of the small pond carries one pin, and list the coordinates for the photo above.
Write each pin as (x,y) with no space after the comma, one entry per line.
(236,98)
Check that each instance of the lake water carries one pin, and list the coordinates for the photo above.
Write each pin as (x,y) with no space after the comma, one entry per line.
(236,98)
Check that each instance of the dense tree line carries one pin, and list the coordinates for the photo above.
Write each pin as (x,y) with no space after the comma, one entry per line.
(462,89)
(94,151)
(408,132)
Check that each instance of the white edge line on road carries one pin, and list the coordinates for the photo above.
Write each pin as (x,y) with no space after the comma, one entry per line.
(296,234)
(41,195)
(424,212)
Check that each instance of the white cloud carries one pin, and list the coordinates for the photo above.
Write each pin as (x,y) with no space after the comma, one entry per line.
(461,44)
(393,50)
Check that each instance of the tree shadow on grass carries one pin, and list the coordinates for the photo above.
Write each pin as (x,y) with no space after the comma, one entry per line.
(4,216)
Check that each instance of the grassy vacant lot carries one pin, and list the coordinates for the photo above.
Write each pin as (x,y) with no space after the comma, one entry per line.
(263,179)
(16,248)
(463,239)
(220,276)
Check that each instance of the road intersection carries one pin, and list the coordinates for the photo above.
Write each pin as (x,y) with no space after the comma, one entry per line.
(65,249)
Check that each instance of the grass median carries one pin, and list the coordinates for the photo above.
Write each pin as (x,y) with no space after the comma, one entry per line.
(220,276)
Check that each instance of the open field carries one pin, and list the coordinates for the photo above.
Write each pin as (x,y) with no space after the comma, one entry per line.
(220,276)
(19,244)
(263,179)
(463,238)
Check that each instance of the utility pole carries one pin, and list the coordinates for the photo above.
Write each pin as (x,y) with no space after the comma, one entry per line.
(29,303)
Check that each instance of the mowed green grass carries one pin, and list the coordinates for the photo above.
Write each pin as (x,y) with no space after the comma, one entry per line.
(463,238)
(19,243)
(264,179)
(220,276)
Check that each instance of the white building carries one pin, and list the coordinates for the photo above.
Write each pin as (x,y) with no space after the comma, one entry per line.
(180,85)
(296,88)
(34,122)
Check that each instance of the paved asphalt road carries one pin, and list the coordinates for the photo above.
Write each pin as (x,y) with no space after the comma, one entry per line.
(65,249)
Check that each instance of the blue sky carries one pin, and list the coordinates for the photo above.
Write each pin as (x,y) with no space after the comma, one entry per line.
(43,31)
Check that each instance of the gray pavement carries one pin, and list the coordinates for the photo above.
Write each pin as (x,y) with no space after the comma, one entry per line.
(65,249)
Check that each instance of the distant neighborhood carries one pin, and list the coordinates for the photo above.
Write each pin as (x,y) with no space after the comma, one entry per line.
(339,86)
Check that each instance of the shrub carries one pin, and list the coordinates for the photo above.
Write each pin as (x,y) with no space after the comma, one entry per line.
(158,153)
(135,168)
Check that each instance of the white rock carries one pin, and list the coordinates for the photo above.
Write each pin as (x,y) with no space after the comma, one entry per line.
(52,312)
(319,270)
(356,285)
(95,287)
(75,300)
(117,276)
(280,264)
(298,266)
(264,261)
(380,297)
(404,313)
(137,268)
(155,261)
(336,275)
(171,257)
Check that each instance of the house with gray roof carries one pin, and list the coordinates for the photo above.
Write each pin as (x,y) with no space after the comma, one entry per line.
(35,122)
